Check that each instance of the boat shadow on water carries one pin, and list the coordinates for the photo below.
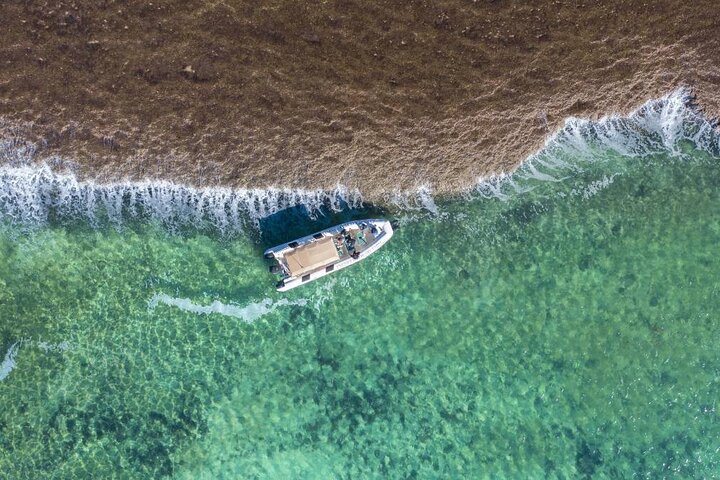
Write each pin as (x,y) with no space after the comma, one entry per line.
(298,221)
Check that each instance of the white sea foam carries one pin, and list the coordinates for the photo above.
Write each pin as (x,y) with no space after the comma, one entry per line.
(593,188)
(32,194)
(420,200)
(656,127)
(8,363)
(248,313)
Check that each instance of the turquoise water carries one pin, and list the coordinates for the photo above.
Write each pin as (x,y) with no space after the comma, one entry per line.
(561,323)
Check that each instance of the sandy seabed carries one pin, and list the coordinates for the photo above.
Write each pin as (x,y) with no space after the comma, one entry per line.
(380,96)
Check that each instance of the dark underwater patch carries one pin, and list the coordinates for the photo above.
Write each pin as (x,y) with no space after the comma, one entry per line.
(587,459)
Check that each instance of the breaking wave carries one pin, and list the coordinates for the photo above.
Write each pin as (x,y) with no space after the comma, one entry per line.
(32,194)
(663,126)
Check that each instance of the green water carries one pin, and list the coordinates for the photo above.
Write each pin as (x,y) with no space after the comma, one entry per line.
(568,332)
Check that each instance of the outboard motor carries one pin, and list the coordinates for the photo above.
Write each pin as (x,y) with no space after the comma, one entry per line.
(275,269)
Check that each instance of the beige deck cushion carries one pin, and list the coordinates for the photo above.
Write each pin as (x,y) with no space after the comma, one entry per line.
(311,257)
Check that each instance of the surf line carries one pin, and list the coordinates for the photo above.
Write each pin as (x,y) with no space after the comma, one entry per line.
(31,194)
(248,313)
(659,126)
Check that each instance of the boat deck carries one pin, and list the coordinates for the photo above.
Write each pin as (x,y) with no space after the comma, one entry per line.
(363,239)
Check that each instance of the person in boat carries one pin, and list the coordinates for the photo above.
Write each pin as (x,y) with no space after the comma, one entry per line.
(338,242)
(349,242)
(355,255)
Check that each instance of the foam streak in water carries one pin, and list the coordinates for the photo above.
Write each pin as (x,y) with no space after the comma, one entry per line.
(8,363)
(248,313)
(53,347)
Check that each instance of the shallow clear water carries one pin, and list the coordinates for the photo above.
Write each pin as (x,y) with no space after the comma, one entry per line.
(567,331)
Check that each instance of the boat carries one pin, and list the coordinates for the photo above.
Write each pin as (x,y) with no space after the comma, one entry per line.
(315,256)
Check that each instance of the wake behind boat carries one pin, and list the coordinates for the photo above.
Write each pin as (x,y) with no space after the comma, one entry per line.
(314,256)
